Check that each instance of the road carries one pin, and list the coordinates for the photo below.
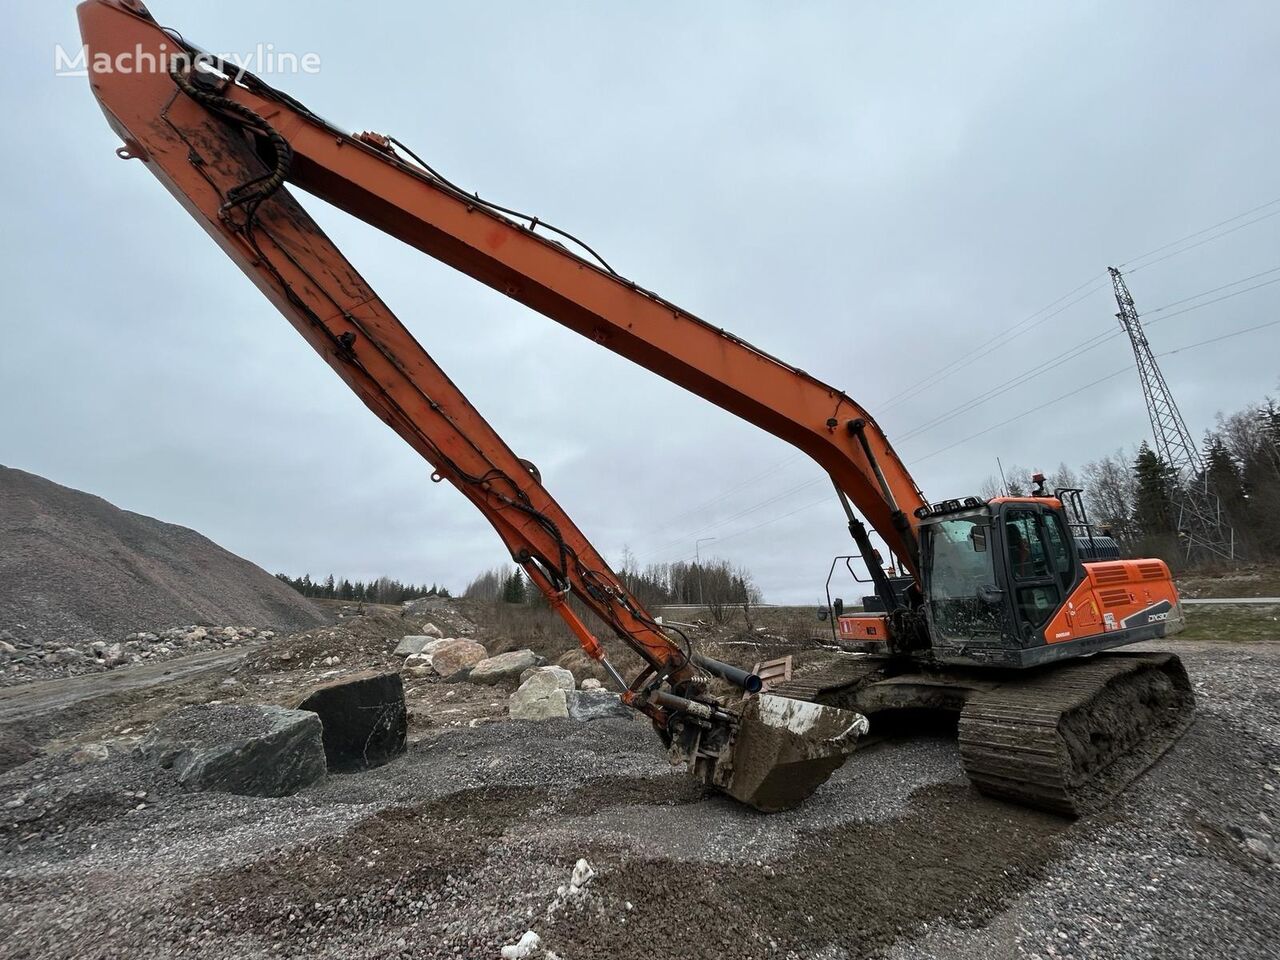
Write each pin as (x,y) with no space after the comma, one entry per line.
(45,696)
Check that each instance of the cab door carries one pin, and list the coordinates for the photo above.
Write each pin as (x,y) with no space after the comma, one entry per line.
(1038,563)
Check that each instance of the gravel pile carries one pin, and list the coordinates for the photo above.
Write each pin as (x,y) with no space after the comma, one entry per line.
(75,569)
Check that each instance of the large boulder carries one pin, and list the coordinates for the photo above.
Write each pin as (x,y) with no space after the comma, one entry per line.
(504,668)
(259,751)
(451,658)
(363,717)
(543,696)
(586,705)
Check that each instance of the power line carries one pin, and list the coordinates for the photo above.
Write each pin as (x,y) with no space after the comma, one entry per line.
(1202,293)
(1071,353)
(1221,337)
(684,537)
(951,366)
(734,489)
(1071,393)
(1083,347)
(1226,296)
(1203,230)
(825,498)
(996,342)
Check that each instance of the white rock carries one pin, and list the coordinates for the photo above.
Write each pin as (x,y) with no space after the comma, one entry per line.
(543,696)
(7,648)
(591,683)
(431,630)
(582,874)
(523,947)
(557,676)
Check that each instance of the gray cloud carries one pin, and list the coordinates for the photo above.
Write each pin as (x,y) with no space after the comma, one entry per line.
(865,192)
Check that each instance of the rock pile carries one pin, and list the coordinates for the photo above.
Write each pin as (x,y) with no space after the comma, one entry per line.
(457,659)
(542,692)
(21,662)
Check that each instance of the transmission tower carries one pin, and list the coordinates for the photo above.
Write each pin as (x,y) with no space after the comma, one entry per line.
(1199,514)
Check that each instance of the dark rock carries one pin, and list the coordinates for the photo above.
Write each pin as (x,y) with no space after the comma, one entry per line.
(258,751)
(364,719)
(595,705)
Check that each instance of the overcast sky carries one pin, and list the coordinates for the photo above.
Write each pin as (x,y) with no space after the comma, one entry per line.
(866,190)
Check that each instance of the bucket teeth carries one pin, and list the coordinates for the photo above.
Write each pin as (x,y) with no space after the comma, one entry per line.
(784,750)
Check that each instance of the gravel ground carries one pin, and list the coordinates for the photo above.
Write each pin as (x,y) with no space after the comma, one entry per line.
(470,839)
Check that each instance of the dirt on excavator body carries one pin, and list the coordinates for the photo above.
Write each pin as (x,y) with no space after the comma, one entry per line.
(1064,738)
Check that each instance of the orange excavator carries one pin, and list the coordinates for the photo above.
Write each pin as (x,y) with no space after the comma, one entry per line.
(1001,604)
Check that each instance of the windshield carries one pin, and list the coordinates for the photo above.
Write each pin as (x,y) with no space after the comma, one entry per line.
(959,565)
(961,560)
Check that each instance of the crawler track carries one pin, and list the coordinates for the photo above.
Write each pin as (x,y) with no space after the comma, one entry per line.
(1064,738)
(1071,738)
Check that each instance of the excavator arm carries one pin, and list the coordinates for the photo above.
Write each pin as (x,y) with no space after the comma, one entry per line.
(226,145)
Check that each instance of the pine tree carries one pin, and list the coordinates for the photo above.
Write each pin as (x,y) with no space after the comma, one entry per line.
(1224,477)
(1153,503)
(513,589)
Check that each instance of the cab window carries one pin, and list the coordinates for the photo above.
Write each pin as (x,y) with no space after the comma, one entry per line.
(1028,557)
(1059,553)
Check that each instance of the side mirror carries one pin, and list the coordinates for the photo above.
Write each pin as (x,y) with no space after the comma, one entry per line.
(837,606)
(978,537)
(990,594)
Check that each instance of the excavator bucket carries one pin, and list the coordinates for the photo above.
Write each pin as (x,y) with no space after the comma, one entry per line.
(784,750)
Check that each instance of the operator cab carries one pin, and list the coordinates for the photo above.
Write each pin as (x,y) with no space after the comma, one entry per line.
(993,574)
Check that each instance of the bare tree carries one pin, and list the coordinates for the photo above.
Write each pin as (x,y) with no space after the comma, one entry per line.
(1110,492)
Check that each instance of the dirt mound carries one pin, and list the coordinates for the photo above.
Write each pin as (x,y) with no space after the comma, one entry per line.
(75,567)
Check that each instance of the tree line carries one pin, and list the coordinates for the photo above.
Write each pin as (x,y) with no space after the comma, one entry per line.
(381,590)
(716,584)
(1132,495)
